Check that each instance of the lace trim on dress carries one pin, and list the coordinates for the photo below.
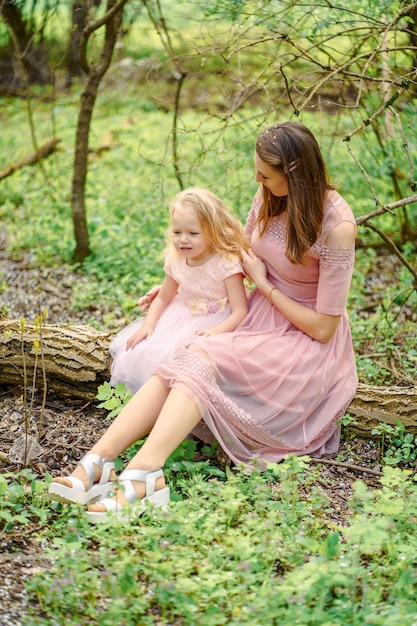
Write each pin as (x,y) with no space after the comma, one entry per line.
(331,256)
(277,232)
(328,256)
(199,369)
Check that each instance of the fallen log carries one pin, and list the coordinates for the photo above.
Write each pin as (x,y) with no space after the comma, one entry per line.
(76,361)
(374,405)
(75,357)
(33,157)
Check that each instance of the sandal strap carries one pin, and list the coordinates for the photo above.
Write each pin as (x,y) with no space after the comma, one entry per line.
(88,463)
(111,505)
(76,483)
(149,477)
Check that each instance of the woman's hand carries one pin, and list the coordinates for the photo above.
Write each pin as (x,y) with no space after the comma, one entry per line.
(145,301)
(254,267)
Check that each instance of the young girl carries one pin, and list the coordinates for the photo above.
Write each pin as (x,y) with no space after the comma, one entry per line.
(203,291)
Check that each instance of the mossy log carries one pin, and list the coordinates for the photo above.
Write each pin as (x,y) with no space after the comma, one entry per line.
(76,361)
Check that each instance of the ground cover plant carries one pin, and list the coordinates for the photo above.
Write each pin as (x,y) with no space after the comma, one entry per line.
(237,549)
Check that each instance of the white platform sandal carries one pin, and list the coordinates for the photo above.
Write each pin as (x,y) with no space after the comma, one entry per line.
(77,492)
(125,512)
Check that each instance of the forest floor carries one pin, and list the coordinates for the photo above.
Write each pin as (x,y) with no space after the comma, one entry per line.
(71,427)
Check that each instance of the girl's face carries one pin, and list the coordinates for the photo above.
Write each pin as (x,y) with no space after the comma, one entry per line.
(188,237)
(275,181)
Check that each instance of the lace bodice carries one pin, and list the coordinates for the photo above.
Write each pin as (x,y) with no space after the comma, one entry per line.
(202,287)
(325,277)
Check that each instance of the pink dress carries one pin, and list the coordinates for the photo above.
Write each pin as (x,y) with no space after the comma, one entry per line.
(201,302)
(268,389)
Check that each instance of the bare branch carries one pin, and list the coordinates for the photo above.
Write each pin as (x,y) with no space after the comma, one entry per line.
(92,26)
(394,248)
(388,208)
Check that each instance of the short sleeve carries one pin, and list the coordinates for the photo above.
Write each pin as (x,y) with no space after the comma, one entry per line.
(230,268)
(335,275)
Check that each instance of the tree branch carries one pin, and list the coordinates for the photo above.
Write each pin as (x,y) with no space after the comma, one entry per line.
(387,208)
(394,248)
(34,157)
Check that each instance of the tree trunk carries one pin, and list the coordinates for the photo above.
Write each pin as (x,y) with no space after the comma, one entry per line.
(32,57)
(76,361)
(79,18)
(112,20)
(79,215)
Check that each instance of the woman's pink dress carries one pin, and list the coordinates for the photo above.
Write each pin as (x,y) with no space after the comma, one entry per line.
(201,302)
(268,389)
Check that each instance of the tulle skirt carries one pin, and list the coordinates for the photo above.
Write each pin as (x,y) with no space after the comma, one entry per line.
(267,389)
(175,328)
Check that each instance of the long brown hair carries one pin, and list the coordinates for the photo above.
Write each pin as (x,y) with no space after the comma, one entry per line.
(291,148)
(223,231)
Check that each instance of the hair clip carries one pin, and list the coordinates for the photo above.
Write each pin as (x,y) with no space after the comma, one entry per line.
(292,166)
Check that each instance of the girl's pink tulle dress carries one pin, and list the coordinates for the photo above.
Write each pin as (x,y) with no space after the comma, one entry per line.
(201,302)
(268,389)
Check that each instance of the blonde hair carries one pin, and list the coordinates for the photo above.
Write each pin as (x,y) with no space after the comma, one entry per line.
(223,231)
(291,148)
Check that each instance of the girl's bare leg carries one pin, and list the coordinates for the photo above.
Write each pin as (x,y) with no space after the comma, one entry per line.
(134,422)
(177,418)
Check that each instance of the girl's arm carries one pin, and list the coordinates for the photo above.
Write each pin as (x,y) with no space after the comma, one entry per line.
(160,302)
(238,300)
(319,326)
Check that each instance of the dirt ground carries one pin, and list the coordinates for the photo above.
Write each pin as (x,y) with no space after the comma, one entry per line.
(70,428)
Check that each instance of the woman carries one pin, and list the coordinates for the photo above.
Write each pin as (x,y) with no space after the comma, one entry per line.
(279,383)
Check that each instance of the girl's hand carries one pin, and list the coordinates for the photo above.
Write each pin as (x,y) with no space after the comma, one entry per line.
(145,301)
(253,266)
(139,336)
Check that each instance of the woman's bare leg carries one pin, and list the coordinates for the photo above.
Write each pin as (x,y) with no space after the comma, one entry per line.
(134,421)
(178,416)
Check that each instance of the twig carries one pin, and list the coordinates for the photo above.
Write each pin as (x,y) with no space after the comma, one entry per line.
(356,468)
(387,208)
(394,248)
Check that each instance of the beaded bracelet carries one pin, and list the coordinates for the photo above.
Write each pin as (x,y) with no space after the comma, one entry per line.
(270,293)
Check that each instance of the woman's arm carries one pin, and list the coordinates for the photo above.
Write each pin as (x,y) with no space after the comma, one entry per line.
(160,302)
(238,300)
(319,326)
(145,301)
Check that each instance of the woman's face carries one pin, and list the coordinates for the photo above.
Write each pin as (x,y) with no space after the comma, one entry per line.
(275,181)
